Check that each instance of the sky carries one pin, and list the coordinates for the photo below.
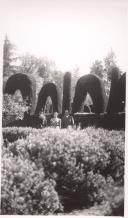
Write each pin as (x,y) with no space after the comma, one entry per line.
(73,33)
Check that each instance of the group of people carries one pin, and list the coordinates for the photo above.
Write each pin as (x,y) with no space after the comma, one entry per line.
(66,121)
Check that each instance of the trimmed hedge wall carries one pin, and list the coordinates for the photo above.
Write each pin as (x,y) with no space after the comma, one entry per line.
(26,84)
(113,101)
(95,87)
(66,92)
(47,90)
(82,165)
(33,121)
(107,121)
(120,94)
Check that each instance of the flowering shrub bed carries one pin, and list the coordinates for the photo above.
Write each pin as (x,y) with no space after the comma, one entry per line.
(25,190)
(13,108)
(82,165)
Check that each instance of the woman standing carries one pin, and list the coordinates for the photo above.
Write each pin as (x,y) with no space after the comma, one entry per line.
(55,121)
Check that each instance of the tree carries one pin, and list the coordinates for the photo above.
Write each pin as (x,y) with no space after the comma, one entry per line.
(104,69)
(97,69)
(29,64)
(109,63)
(43,70)
(46,69)
(8,58)
(75,76)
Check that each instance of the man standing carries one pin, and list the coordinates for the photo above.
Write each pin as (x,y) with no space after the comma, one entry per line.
(67,120)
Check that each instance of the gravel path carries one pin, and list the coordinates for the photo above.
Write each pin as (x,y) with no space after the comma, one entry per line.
(93,211)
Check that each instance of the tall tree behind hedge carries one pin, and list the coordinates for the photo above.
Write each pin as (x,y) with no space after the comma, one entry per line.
(97,69)
(75,76)
(9,67)
(110,63)
(104,68)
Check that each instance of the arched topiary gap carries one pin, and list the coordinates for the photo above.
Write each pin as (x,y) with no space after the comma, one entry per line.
(48,106)
(47,90)
(66,92)
(95,87)
(27,86)
(115,76)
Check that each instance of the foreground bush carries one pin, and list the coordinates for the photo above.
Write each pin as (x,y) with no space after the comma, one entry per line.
(83,163)
(25,190)
(13,134)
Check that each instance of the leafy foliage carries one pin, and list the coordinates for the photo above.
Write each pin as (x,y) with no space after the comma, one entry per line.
(13,108)
(8,58)
(103,69)
(97,69)
(83,163)
(109,63)
(25,189)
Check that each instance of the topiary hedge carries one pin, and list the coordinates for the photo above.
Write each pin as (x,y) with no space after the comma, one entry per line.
(108,121)
(114,91)
(82,163)
(26,84)
(120,95)
(47,90)
(66,92)
(95,87)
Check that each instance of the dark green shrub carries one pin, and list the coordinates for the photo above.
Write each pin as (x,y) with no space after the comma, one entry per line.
(107,121)
(47,90)
(25,190)
(112,101)
(82,162)
(12,134)
(26,84)
(66,92)
(120,95)
(112,121)
(95,87)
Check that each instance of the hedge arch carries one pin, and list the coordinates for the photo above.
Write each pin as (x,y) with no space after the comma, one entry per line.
(66,92)
(47,90)
(115,76)
(117,95)
(95,87)
(27,86)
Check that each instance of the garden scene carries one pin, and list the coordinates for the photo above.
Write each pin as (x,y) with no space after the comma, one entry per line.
(63,136)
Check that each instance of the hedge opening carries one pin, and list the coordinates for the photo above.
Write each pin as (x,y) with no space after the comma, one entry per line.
(47,90)
(95,87)
(27,86)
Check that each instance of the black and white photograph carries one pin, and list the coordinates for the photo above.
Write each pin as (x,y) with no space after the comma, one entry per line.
(63,107)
